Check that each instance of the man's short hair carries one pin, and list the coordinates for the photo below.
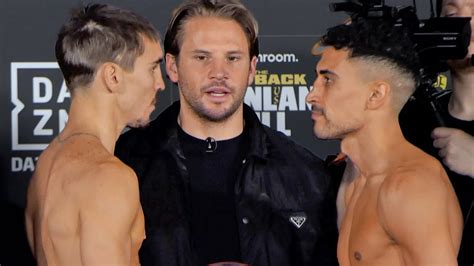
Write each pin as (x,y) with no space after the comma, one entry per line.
(96,34)
(382,45)
(226,9)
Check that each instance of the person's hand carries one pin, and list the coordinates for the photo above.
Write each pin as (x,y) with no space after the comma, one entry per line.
(456,149)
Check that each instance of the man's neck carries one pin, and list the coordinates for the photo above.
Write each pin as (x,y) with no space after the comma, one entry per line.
(373,149)
(202,128)
(460,103)
(87,117)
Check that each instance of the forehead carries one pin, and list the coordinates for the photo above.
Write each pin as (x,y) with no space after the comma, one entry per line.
(213,30)
(332,59)
(152,48)
(459,3)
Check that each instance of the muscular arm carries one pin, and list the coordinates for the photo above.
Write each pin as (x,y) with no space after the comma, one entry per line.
(107,215)
(414,209)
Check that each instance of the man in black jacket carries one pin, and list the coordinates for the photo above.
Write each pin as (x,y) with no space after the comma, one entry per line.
(216,185)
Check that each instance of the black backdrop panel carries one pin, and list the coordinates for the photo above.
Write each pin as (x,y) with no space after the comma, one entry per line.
(34,100)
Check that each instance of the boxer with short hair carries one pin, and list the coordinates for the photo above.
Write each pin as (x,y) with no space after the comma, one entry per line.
(400,208)
(83,203)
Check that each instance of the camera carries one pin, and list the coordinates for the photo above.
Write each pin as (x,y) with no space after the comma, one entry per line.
(437,39)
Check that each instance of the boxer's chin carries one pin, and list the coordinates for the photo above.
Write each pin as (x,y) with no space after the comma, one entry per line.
(139,123)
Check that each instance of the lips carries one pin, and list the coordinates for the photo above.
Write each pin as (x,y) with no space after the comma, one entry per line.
(217,94)
(217,91)
(316,112)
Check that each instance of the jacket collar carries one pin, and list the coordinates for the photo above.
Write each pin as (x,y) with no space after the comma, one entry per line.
(257,134)
(166,124)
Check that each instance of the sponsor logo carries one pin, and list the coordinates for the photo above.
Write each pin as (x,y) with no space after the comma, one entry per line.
(277,58)
(273,95)
(40,98)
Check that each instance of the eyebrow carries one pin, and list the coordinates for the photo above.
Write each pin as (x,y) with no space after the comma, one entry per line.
(447,2)
(200,51)
(158,61)
(235,52)
(327,72)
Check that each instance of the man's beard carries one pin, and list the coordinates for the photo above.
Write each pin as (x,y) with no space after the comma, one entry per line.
(140,123)
(333,130)
(198,107)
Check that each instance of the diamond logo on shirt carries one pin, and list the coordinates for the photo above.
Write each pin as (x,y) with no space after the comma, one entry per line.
(298,221)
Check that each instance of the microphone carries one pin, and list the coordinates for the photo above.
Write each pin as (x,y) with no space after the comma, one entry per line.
(211,145)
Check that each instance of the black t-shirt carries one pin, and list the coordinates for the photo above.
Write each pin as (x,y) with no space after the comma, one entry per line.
(463,185)
(214,228)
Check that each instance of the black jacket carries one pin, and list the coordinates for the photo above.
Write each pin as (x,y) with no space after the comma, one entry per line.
(278,180)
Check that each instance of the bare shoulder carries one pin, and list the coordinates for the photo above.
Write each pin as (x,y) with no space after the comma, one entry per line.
(95,169)
(420,178)
(418,188)
(112,176)
(416,199)
(110,199)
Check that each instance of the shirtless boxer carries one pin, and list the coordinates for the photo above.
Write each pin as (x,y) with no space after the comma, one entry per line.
(400,206)
(83,203)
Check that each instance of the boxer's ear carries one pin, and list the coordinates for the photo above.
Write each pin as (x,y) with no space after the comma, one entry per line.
(111,75)
(379,93)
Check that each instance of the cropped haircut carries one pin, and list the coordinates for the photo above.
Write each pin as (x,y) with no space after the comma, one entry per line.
(384,48)
(226,9)
(96,34)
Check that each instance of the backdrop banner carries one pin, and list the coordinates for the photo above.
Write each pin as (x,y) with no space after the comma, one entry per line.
(34,99)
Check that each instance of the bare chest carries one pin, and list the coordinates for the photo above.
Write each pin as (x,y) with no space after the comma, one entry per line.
(362,238)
